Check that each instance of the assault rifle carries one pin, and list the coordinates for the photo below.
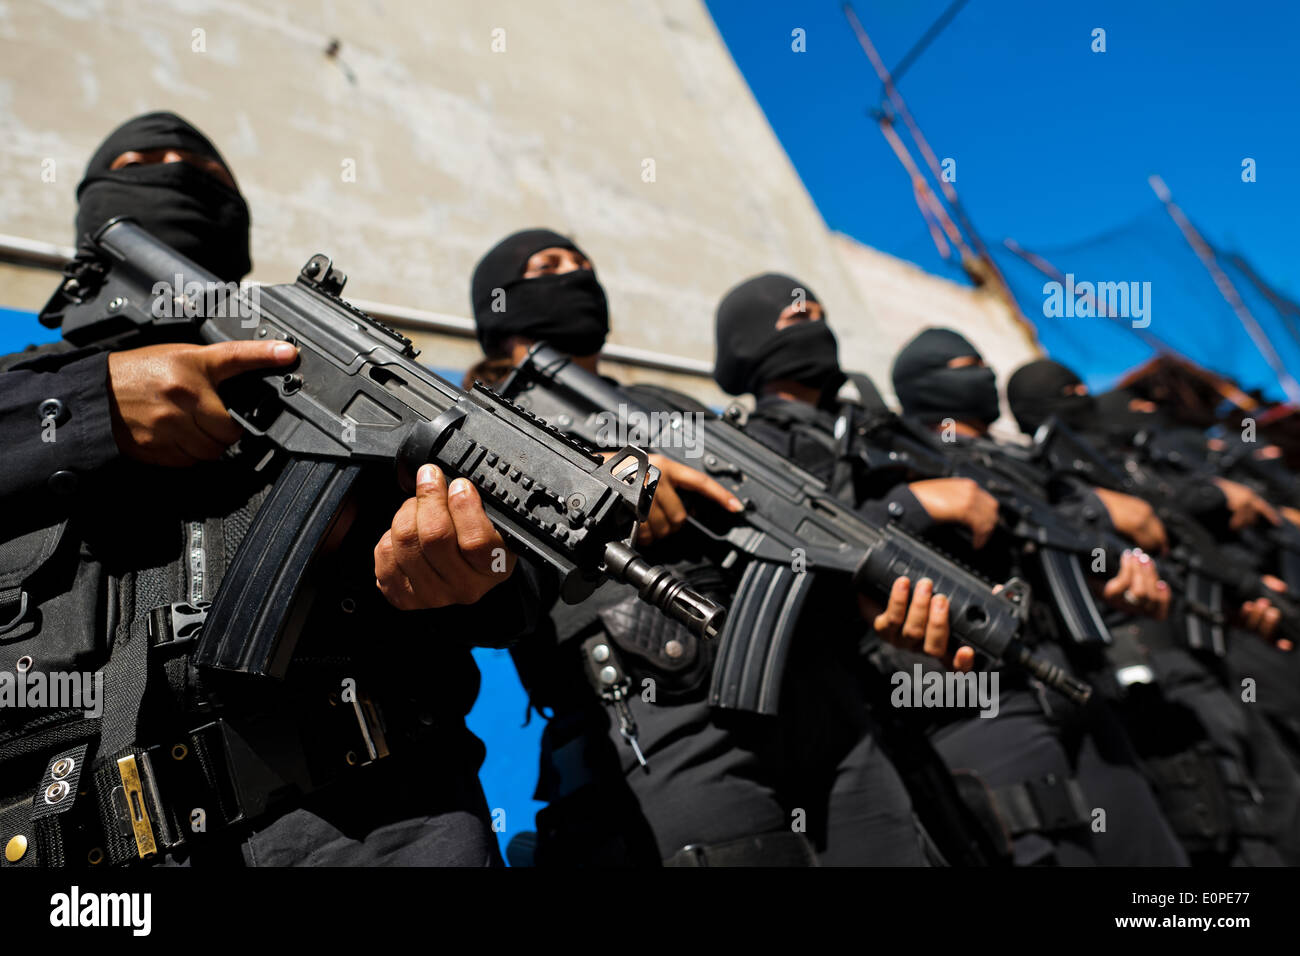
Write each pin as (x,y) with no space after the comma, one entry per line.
(1271,479)
(789,514)
(1057,545)
(1194,550)
(356,395)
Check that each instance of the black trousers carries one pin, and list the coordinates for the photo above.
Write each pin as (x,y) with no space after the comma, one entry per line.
(1274,679)
(715,777)
(1273,728)
(1038,733)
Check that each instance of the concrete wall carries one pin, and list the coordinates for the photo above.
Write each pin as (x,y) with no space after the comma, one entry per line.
(454,145)
(900,299)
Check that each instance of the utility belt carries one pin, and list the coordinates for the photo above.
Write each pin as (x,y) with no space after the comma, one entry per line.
(1208,799)
(1045,805)
(1048,804)
(205,783)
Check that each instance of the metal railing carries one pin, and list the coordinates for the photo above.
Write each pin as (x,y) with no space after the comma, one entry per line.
(32,253)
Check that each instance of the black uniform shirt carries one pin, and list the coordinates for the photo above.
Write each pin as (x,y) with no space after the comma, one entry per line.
(55,426)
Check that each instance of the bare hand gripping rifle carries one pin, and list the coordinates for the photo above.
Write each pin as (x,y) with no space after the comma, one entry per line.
(1053,548)
(357,395)
(788,514)
(1211,576)
(1061,547)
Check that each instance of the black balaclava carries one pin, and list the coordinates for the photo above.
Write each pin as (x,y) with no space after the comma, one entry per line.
(1037,391)
(569,311)
(1113,413)
(752,352)
(184,206)
(930,391)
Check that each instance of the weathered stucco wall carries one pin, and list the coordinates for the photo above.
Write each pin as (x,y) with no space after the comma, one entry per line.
(409,153)
(901,299)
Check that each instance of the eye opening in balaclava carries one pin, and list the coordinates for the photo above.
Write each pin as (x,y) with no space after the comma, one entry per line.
(569,310)
(178,203)
(1115,414)
(1038,391)
(752,353)
(930,391)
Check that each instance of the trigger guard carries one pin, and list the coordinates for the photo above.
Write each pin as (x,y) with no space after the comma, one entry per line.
(245,423)
(647,492)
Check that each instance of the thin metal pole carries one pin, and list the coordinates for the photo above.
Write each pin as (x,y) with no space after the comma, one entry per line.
(31,253)
(895,99)
(931,209)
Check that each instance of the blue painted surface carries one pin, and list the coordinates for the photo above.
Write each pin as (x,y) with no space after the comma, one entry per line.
(18,329)
(509,772)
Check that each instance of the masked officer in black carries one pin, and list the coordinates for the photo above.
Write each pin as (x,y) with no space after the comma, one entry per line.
(721,788)
(1218,765)
(1040,740)
(773,342)
(126,515)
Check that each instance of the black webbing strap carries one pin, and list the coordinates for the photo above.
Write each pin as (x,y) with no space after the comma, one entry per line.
(126,675)
(195,787)
(1046,805)
(851,413)
(126,679)
(53,804)
(17,834)
(39,823)
(1192,795)
(58,728)
(1209,799)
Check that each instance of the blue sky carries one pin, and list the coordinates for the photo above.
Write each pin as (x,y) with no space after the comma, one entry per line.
(1053,142)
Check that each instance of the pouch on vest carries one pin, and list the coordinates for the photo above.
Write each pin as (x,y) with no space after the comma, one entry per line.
(50,606)
(658,648)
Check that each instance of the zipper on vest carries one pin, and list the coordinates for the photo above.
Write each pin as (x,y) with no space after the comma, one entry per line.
(195,565)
